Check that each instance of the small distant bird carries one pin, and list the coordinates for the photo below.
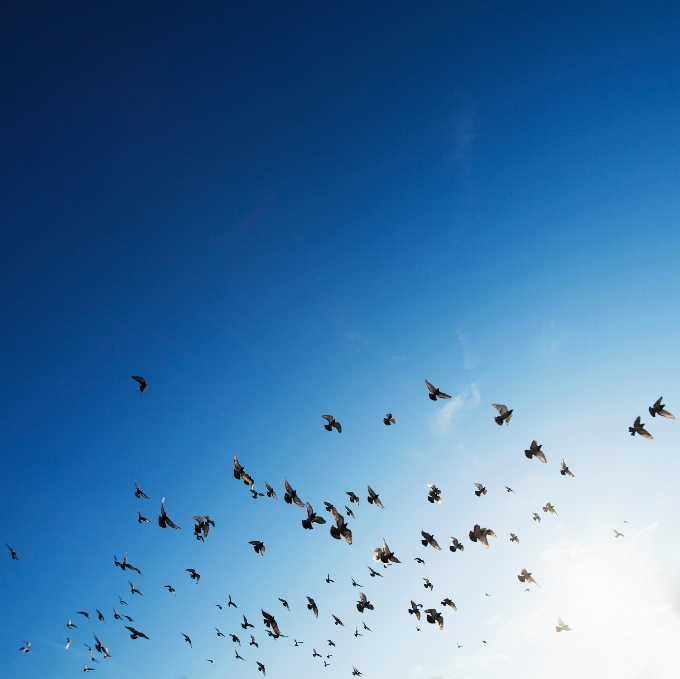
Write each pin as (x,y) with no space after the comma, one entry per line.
(658,409)
(140,518)
(434,494)
(100,615)
(510,490)
(565,470)
(418,629)
(374,574)
(238,657)
(70,625)
(428,584)
(312,606)
(340,529)
(414,610)
(429,540)
(128,618)
(357,633)
(255,493)
(270,491)
(284,602)
(136,634)
(384,554)
(257,546)
(389,419)
(639,428)
(535,451)
(164,520)
(139,492)
(366,628)
(514,538)
(561,626)
(202,527)
(537,517)
(330,643)
(624,521)
(448,602)
(133,589)
(617,534)
(353,498)
(253,642)
(363,603)
(13,553)
(290,496)
(526,577)
(194,575)
(417,560)
(125,603)
(297,643)
(173,591)
(235,639)
(373,498)
(85,613)
(271,624)
(527,590)
(332,422)
(245,624)
(240,473)
(338,621)
(325,664)
(328,578)
(485,594)
(143,386)
(311,518)
(231,603)
(349,512)
(68,643)
(456,545)
(549,508)
(505,414)
(220,634)
(329,506)
(116,615)
(315,654)
(26,648)
(478,534)
(434,392)
(212,662)
(355,583)
(459,646)
(434,616)
(88,669)
(260,668)
(355,672)
(480,490)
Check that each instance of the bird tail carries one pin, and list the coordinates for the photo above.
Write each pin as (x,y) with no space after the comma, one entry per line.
(498,420)
(528,453)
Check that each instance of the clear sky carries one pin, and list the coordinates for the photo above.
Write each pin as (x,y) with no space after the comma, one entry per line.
(274,211)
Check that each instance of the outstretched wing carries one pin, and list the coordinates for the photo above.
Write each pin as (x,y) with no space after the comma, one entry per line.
(329,418)
(500,408)
(432,389)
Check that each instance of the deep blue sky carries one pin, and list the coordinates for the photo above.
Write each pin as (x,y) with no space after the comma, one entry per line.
(280,210)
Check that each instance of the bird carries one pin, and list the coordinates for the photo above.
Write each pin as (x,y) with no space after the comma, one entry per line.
(329,506)
(85,613)
(328,578)
(202,527)
(456,545)
(514,538)
(332,422)
(143,386)
(240,473)
(349,512)
(311,518)
(255,493)
(537,517)
(12,552)
(478,534)
(527,590)
(561,626)
(125,603)
(374,574)
(459,646)
(164,520)
(418,629)
(128,618)
(124,564)
(414,610)
(373,498)
(353,498)
(357,633)
(235,639)
(535,451)
(271,624)
(68,643)
(340,529)
(485,594)
(434,616)
(70,625)
(89,648)
(389,419)
(100,615)
(284,602)
(325,664)
(270,491)
(565,470)
(549,508)
(194,575)
(231,603)
(134,590)
(238,657)
(116,615)
(172,590)
(245,624)
(355,583)
(297,643)
(434,494)
(617,534)
(624,521)
(218,605)
(220,634)
(139,492)
(428,584)
(363,603)
(315,654)
(312,606)
(26,648)
(658,409)
(480,490)
(366,628)
(261,668)
(187,639)
(253,642)
(448,602)
(85,667)
(510,490)
(212,662)
(434,392)
(505,414)
(639,428)
(384,554)
(291,496)
(428,540)
(355,672)
(330,643)
(526,577)
(257,546)
(136,634)
(140,518)
(338,621)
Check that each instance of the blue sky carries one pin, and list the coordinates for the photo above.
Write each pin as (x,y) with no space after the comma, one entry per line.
(277,211)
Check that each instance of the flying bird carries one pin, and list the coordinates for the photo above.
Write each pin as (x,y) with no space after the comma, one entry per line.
(311,518)
(434,494)
(338,621)
(315,654)
(68,643)
(340,529)
(428,540)
(260,668)
(639,428)
(271,624)
(349,512)
(389,419)
(353,498)
(143,386)
(658,409)
(235,639)
(357,633)
(514,538)
(164,520)
(134,590)
(414,610)
(535,451)
(480,490)
(116,615)
(194,575)
(617,534)
(510,490)
(355,672)
(253,642)
(384,554)
(355,583)
(478,534)
(363,603)
(526,577)
(255,493)
(373,573)
(12,553)
(220,634)
(85,613)
(173,591)
(70,625)
(86,668)
(416,559)
(26,648)
(505,414)
(428,584)
(366,628)
(565,470)
(140,518)
(434,392)
(448,602)
(136,634)
(331,422)
(312,606)
(100,615)
(549,508)
(284,602)
(297,643)
(212,662)
(561,626)
(187,639)
(456,545)
(231,603)
(291,496)
(202,527)
(373,498)
(240,473)
(238,657)
(434,616)
(537,517)
(139,492)
(270,491)
(257,546)
(328,578)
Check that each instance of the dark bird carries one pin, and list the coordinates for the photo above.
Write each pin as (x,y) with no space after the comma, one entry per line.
(332,422)
(70,625)
(124,564)
(125,603)
(68,643)
(658,409)
(85,613)
(456,545)
(349,512)
(202,526)
(434,392)
(434,494)
(270,491)
(220,634)
(485,594)
(257,546)
(414,610)
(328,578)
(172,590)
(271,624)
(260,668)
(212,662)
(373,573)
(133,589)
(330,643)
(357,633)
(88,669)
(340,529)
(238,657)
(480,490)
(245,624)
(510,490)
(140,518)
(373,498)
(565,470)
(284,602)
(136,634)
(549,508)
(434,616)
(91,650)
(231,603)
(128,618)
(448,602)
(139,492)
(505,414)
(478,534)
(240,473)
(363,603)
(384,555)
(617,534)
(255,494)
(355,583)
(428,585)
(100,615)
(353,498)
(312,606)
(526,577)
(291,496)
(194,575)
(419,560)
(116,615)
(311,518)
(514,538)
(26,648)
(561,626)
(253,642)
(428,540)
(297,643)
(219,606)
(366,628)
(164,520)
(638,428)
(12,552)
(389,419)
(315,654)
(535,451)
(537,517)
(143,386)
(338,621)
(329,506)
(235,639)
(325,664)
(355,672)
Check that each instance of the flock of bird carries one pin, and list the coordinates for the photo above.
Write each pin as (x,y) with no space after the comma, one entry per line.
(339,530)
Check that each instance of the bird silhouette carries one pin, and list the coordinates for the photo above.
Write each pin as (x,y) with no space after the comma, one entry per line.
(331,423)
(143,386)
(505,414)
(257,546)
(389,419)
(535,451)
(565,470)
(658,409)
(639,428)
(373,498)
(434,392)
(164,520)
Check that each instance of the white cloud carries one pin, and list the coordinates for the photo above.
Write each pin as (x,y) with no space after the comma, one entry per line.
(442,421)
(470,358)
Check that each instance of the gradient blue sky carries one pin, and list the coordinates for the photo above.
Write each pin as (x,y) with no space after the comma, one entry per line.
(278,210)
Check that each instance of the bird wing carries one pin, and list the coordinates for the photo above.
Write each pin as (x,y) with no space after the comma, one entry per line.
(432,389)
(645,434)
(329,418)
(139,379)
(441,394)
(560,622)
(362,597)
(539,455)
(500,408)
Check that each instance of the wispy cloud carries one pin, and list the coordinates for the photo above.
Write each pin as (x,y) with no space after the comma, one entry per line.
(470,358)
(442,421)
